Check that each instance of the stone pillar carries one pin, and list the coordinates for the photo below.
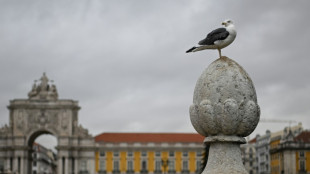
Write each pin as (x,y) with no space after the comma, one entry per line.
(72,165)
(15,163)
(224,110)
(22,165)
(91,165)
(76,166)
(7,164)
(59,165)
(67,167)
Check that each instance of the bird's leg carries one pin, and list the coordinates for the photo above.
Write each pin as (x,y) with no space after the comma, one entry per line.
(219,52)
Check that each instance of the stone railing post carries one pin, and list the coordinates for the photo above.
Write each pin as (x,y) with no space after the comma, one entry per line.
(224,110)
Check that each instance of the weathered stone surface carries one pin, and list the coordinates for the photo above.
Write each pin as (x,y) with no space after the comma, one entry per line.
(225,159)
(224,110)
(225,101)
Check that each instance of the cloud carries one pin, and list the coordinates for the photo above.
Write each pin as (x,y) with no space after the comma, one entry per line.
(125,61)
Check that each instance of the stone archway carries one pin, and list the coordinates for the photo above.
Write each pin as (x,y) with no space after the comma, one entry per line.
(42,113)
(31,139)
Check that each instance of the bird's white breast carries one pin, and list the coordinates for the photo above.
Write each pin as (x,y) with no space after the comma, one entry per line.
(231,37)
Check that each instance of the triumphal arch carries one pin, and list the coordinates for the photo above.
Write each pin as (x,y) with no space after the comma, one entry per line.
(44,113)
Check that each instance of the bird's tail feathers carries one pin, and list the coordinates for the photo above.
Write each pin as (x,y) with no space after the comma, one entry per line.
(191,50)
(199,48)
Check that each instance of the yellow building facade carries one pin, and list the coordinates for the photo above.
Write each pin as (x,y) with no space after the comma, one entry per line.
(303,160)
(148,153)
(290,154)
(276,156)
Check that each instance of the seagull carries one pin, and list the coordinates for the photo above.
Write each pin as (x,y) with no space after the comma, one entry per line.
(218,38)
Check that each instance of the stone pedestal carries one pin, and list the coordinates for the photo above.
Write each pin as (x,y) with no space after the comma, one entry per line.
(224,110)
(225,158)
(224,155)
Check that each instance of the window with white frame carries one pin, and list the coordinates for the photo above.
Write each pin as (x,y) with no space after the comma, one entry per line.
(199,153)
(262,167)
(83,165)
(102,165)
(143,153)
(157,153)
(130,154)
(171,165)
(130,165)
(198,163)
(102,153)
(157,165)
(185,153)
(301,154)
(302,165)
(185,165)
(144,165)
(116,153)
(171,153)
(116,165)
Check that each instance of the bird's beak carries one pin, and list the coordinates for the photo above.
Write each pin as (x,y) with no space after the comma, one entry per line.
(224,23)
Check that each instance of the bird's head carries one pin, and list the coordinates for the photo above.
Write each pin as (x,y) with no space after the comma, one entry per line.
(227,22)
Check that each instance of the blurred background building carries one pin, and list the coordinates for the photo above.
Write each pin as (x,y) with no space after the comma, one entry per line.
(44,160)
(148,153)
(282,152)
(249,156)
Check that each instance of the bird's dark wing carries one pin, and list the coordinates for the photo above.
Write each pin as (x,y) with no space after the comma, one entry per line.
(217,34)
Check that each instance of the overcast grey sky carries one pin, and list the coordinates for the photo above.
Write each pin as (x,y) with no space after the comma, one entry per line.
(125,61)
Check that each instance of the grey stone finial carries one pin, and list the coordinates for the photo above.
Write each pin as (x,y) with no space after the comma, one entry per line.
(224,110)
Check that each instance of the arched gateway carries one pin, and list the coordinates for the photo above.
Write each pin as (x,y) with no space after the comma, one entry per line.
(44,113)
